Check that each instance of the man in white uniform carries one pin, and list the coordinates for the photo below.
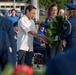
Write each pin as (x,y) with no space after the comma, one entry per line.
(25,36)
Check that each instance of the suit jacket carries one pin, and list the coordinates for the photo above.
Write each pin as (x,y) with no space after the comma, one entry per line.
(62,65)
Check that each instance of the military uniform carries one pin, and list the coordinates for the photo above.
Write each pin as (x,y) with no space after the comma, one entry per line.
(69,33)
(5,50)
(7,26)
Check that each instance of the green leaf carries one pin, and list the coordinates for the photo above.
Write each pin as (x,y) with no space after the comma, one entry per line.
(56,28)
(8,70)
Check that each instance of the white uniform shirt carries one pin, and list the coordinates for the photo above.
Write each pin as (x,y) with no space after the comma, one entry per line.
(25,40)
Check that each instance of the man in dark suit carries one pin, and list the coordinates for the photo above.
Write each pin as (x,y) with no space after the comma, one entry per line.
(5,50)
(7,26)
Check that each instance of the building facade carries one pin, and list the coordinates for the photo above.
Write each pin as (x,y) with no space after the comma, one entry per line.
(10,5)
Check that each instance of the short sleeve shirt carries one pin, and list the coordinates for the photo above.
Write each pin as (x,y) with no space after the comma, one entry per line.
(25,40)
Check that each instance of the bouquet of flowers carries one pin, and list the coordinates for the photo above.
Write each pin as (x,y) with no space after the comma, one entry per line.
(54,31)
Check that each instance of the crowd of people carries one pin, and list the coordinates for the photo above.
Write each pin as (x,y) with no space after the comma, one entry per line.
(24,36)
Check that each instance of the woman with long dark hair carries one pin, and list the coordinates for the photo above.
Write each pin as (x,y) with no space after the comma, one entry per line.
(51,13)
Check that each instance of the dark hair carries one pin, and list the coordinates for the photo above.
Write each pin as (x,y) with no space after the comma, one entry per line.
(50,8)
(71,12)
(36,22)
(15,24)
(30,7)
(13,10)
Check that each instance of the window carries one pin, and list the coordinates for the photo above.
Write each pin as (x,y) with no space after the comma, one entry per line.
(2,6)
(7,6)
(17,6)
(11,6)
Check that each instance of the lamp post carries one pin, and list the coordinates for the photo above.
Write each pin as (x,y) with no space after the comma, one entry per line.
(14,4)
(36,4)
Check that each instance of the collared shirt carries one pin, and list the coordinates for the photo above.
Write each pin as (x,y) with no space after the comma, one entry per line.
(24,39)
(13,19)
